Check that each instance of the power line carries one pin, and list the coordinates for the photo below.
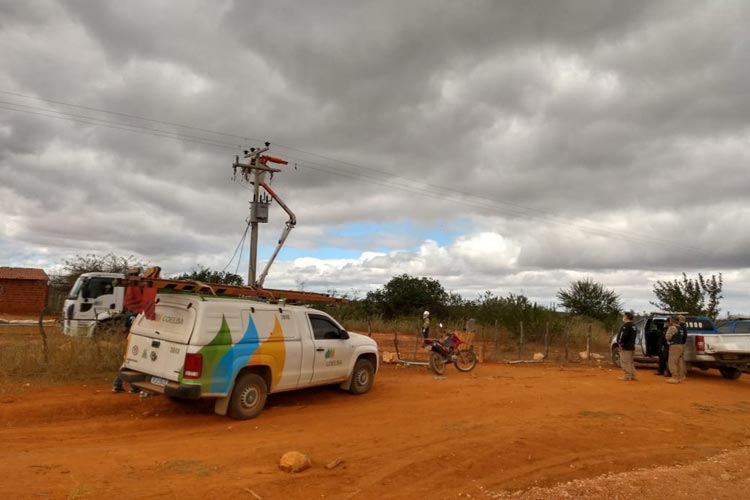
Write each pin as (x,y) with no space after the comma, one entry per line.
(239,245)
(118,126)
(127,115)
(365,174)
(478,201)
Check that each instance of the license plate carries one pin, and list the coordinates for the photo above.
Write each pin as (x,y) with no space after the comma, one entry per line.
(159,381)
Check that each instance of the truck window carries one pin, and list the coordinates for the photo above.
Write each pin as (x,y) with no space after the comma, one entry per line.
(725,328)
(742,327)
(96,287)
(73,295)
(323,328)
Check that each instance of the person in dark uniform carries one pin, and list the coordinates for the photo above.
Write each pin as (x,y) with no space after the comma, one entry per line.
(117,383)
(626,339)
(663,352)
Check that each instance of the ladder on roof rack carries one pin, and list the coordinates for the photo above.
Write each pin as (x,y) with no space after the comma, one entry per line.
(220,290)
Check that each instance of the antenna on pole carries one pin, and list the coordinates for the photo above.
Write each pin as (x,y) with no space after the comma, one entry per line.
(254,172)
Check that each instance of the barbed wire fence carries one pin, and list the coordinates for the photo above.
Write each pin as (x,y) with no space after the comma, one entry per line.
(573,342)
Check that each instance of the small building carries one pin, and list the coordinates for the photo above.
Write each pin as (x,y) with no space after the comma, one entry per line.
(23,290)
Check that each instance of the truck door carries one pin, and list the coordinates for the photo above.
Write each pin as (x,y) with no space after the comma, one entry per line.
(332,350)
(640,339)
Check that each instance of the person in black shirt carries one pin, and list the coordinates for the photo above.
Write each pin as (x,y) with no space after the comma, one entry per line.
(663,352)
(626,339)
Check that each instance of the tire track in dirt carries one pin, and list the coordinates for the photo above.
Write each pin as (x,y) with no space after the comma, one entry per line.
(412,436)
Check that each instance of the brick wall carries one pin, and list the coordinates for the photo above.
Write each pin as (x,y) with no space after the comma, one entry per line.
(19,296)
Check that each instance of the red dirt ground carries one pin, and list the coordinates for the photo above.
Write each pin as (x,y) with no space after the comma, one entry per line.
(502,431)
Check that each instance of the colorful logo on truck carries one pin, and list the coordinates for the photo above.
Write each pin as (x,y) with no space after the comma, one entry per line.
(330,355)
(222,358)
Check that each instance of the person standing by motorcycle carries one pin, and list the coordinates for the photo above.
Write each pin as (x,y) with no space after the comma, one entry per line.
(425,324)
(626,339)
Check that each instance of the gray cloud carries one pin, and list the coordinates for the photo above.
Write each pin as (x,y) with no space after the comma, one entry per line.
(598,137)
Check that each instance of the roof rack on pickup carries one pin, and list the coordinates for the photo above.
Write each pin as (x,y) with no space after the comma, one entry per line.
(219,290)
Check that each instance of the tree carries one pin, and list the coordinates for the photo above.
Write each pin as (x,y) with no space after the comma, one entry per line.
(60,284)
(408,296)
(206,275)
(587,298)
(694,296)
(90,263)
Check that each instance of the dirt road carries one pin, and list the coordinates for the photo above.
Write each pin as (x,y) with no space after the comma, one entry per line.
(495,433)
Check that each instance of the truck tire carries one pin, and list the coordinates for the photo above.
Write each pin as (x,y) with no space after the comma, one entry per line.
(362,377)
(248,397)
(730,372)
(616,356)
(437,363)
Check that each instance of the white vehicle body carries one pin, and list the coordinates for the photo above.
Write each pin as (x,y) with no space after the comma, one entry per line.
(705,347)
(95,297)
(200,347)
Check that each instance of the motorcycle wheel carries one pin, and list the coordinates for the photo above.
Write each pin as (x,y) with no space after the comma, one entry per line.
(466,361)
(437,363)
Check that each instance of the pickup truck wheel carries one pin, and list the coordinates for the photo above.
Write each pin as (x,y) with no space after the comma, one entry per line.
(730,372)
(248,397)
(616,356)
(362,377)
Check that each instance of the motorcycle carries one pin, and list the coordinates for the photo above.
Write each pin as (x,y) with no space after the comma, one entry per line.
(448,350)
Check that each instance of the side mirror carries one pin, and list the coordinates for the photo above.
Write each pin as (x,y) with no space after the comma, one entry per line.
(85,290)
(343,334)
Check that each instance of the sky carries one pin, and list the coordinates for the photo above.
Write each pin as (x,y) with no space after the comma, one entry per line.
(511,147)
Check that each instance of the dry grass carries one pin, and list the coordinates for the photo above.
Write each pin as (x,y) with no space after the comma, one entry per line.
(22,355)
(22,349)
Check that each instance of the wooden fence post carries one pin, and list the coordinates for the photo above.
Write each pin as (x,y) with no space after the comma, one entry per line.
(497,340)
(588,343)
(567,343)
(546,340)
(520,343)
(45,349)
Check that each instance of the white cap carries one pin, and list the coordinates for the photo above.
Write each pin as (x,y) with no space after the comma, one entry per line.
(426,313)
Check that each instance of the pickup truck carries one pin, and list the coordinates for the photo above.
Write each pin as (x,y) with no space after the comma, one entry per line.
(706,347)
(237,351)
(740,325)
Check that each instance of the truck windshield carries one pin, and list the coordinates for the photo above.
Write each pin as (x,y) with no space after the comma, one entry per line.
(76,288)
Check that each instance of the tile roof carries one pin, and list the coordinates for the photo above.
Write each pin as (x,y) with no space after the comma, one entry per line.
(22,273)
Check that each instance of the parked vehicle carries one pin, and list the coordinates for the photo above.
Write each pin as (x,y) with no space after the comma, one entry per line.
(94,298)
(99,297)
(706,347)
(237,351)
(735,325)
(449,350)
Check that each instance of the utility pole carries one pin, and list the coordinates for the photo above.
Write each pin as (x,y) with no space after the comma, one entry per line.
(254,172)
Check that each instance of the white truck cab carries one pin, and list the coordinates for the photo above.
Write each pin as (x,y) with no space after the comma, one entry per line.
(238,351)
(95,297)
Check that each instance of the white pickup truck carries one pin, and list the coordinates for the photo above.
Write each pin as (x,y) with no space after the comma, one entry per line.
(237,351)
(706,347)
